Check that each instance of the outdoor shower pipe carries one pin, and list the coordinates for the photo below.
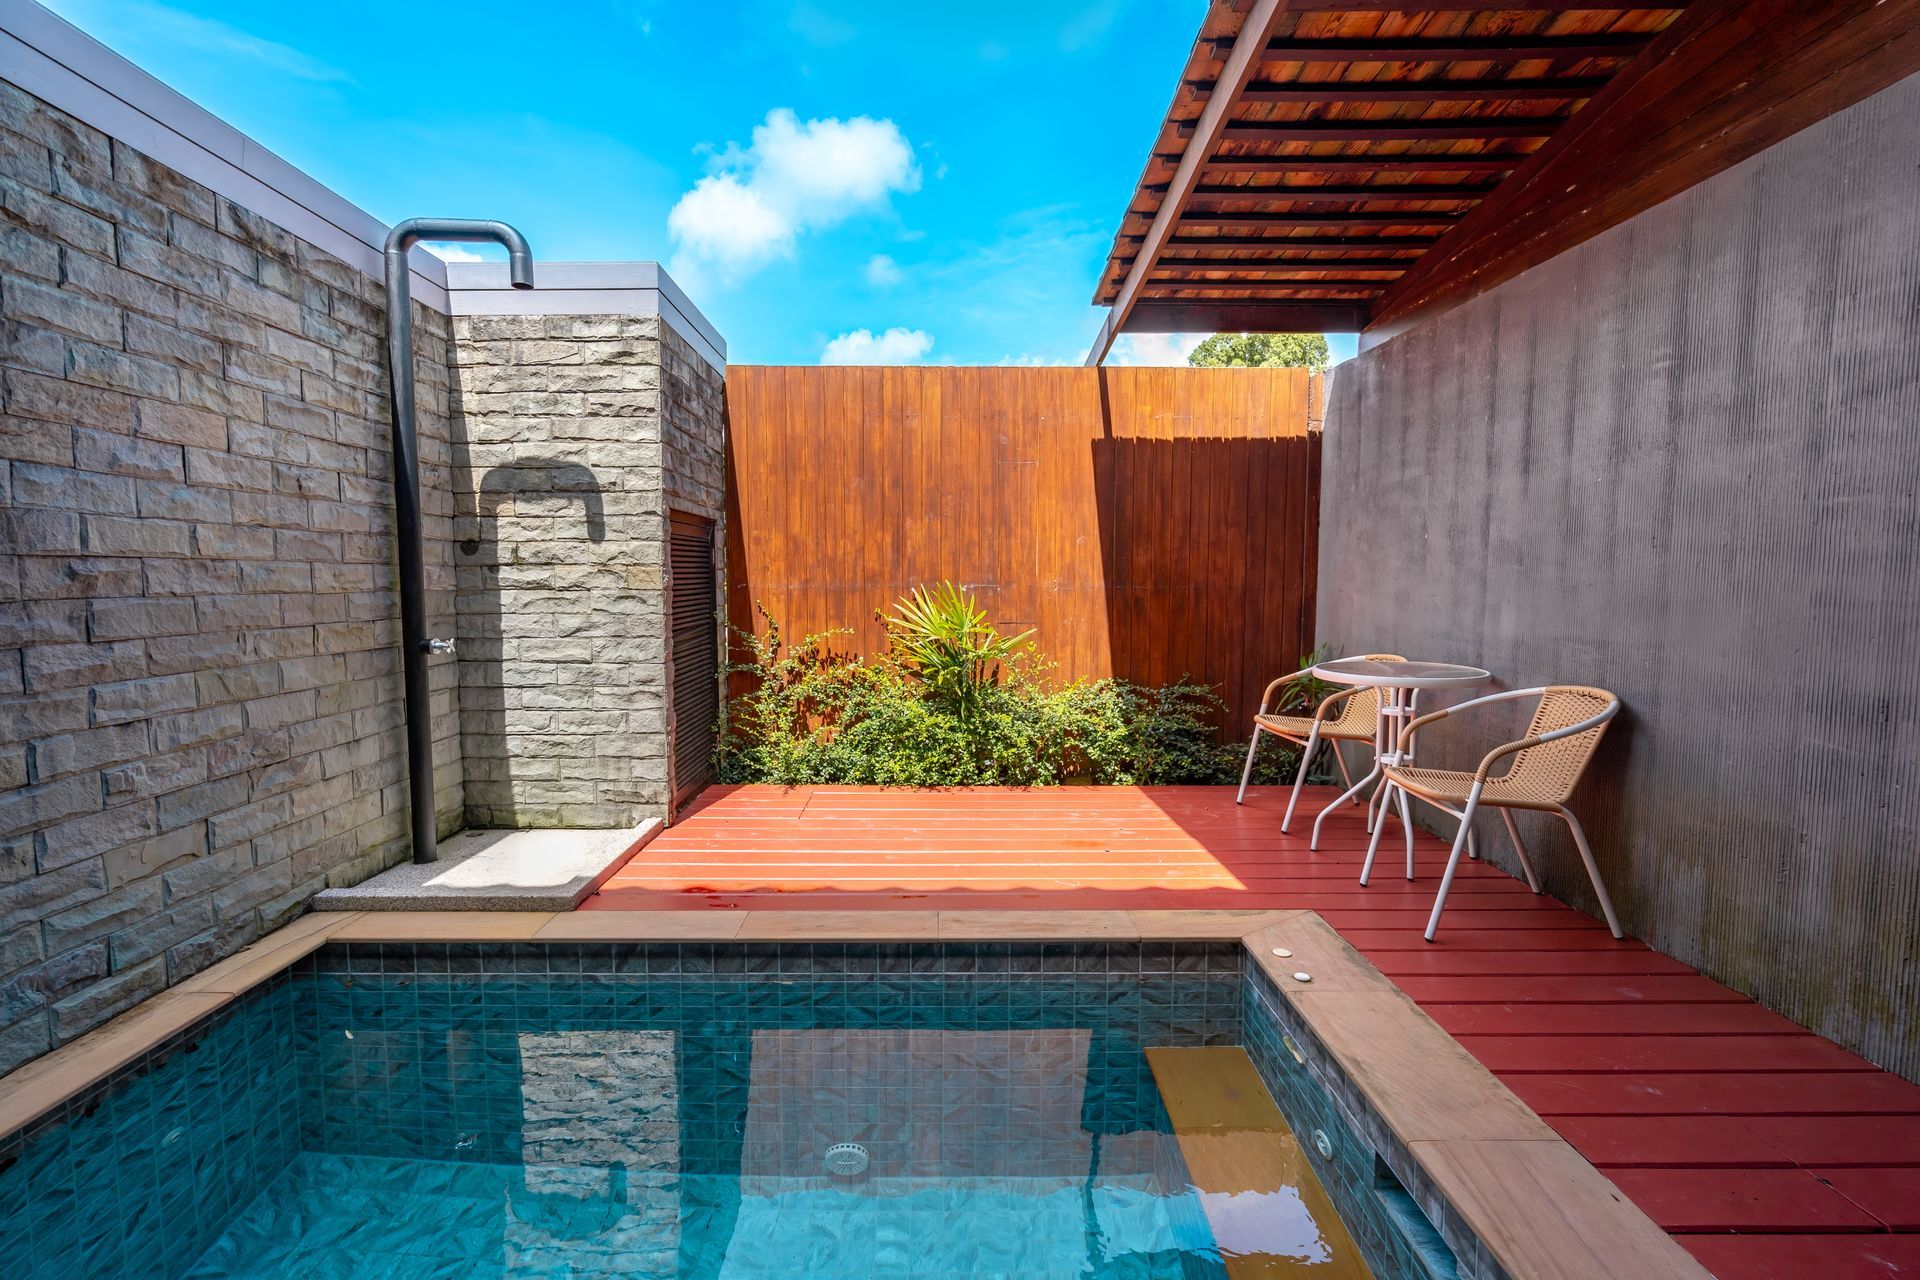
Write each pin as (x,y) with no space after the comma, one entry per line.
(415,646)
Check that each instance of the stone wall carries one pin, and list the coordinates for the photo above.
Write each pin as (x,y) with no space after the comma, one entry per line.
(575,436)
(200,721)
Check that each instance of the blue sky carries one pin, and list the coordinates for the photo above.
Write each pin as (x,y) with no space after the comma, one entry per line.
(829,179)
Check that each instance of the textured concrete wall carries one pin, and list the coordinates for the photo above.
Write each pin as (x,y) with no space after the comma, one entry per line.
(1678,461)
(199,707)
(576,434)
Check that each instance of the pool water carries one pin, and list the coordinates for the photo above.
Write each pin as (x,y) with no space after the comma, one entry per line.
(662,1110)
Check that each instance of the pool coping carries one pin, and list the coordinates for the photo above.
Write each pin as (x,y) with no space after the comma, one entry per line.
(1507,1192)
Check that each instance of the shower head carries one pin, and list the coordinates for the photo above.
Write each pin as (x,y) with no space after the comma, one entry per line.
(519,256)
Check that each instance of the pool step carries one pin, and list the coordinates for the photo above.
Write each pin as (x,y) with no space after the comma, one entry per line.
(1269,1213)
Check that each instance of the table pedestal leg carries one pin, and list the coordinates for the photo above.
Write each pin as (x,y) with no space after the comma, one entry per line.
(1395,713)
(1380,737)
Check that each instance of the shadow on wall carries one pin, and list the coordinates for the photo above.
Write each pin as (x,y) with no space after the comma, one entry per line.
(1209,554)
(515,617)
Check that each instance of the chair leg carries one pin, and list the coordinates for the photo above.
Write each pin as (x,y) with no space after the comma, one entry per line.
(1593,871)
(1300,776)
(1253,745)
(1346,778)
(1526,863)
(1373,845)
(1406,824)
(1453,862)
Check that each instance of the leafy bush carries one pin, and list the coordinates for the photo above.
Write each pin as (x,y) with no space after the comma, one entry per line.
(951,703)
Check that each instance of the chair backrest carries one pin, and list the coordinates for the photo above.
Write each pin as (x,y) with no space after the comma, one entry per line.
(1363,708)
(1550,770)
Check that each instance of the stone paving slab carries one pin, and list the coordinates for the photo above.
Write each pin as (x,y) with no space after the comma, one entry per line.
(542,870)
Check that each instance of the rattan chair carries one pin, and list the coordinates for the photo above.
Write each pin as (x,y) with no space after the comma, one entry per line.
(1346,715)
(1547,763)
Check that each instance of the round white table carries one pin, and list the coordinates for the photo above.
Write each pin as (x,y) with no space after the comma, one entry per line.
(1400,685)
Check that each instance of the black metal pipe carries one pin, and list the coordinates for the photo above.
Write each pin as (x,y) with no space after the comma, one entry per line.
(415,645)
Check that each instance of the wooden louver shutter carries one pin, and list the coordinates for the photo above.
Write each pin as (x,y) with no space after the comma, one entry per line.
(693,700)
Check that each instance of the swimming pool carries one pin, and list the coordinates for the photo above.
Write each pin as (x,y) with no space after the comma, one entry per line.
(710,1110)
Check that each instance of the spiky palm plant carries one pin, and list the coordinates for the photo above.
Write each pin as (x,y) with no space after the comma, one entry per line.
(942,637)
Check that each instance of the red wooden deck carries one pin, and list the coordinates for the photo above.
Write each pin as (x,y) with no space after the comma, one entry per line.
(1769,1151)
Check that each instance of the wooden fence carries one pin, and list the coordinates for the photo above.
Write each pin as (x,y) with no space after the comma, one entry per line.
(1148,523)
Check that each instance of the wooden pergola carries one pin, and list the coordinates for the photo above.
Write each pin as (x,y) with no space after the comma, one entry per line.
(1346,165)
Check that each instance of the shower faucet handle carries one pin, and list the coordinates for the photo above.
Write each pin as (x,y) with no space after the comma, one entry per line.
(436,646)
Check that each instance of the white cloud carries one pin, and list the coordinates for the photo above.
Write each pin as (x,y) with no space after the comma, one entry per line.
(1154,348)
(451,252)
(883,271)
(895,346)
(795,177)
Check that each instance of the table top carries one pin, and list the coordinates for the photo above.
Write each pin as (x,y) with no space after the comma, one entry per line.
(1400,675)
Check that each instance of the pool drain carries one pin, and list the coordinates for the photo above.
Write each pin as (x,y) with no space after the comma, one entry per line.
(846,1160)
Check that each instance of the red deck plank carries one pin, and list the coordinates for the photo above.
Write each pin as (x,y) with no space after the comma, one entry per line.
(1804,1093)
(1609,1019)
(1684,1141)
(1720,1054)
(1741,1200)
(1782,1256)
(1769,1150)
(1890,1195)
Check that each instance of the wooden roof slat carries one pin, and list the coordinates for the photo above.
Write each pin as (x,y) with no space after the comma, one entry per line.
(1399,162)
(1456,49)
(1448,90)
(1465,6)
(1418,240)
(1386,130)
(1275,270)
(1259,218)
(1268,289)
(1221,192)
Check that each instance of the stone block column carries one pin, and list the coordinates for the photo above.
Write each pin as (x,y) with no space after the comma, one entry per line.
(576,430)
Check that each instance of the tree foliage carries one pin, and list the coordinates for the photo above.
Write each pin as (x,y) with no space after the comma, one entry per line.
(1261,351)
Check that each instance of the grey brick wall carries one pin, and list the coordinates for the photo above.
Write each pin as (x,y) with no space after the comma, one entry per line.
(573,434)
(199,712)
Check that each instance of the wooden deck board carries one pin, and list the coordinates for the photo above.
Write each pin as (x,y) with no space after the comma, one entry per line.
(1767,1150)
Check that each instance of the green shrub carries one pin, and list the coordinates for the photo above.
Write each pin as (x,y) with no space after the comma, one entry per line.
(951,703)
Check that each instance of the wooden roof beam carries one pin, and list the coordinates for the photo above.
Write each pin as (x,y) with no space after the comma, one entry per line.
(1242,55)
(1233,315)
(1479,90)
